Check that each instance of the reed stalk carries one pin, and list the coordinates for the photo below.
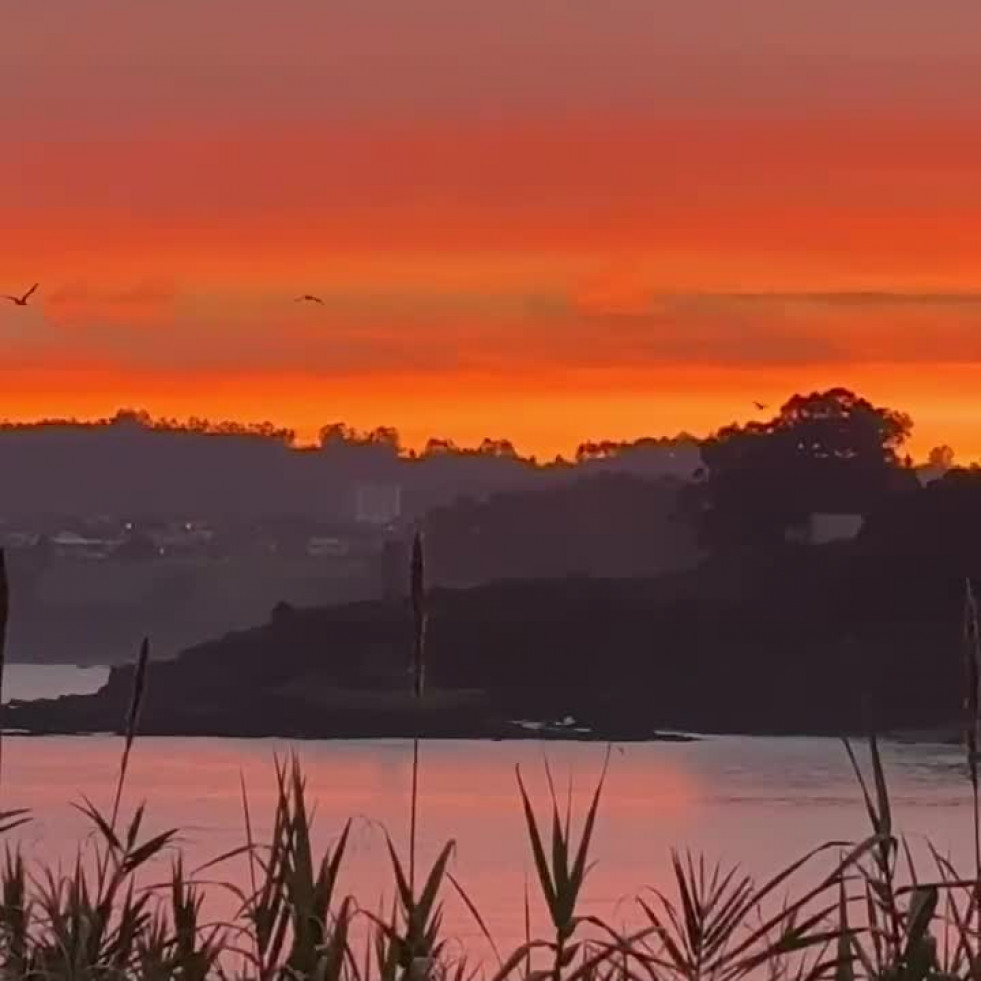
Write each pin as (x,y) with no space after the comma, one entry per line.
(132,721)
(972,724)
(4,612)
(417,591)
(417,586)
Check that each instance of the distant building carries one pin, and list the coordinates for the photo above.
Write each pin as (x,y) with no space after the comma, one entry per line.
(70,544)
(322,547)
(823,528)
(378,504)
(927,474)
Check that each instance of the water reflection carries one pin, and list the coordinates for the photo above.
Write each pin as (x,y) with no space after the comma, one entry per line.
(760,802)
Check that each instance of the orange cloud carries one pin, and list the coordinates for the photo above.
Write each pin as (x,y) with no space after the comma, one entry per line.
(546,279)
(146,303)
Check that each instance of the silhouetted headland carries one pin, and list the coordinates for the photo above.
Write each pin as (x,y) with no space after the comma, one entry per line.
(843,638)
(807,579)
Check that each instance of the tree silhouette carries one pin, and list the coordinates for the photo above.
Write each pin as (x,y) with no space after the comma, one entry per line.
(339,435)
(938,527)
(439,447)
(829,451)
(941,458)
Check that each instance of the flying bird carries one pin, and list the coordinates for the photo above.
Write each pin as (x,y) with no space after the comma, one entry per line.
(309,298)
(762,406)
(21,301)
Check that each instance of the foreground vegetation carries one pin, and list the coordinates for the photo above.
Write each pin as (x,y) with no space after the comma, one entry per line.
(873,915)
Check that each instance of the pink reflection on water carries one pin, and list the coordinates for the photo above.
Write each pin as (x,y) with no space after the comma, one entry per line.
(759,802)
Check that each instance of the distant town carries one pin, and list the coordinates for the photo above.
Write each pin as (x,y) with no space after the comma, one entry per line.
(376,511)
(131,525)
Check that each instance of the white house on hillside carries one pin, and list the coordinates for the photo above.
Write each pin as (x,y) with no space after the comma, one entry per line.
(823,528)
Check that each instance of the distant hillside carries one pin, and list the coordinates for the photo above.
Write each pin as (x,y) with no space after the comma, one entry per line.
(608,513)
(607,525)
(137,466)
(814,640)
(88,612)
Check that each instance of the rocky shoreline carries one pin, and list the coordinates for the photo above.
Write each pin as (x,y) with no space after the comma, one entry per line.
(818,644)
(80,715)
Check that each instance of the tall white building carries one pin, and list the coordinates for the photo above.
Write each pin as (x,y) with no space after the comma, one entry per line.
(377,504)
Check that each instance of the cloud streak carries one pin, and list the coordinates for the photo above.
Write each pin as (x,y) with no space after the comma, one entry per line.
(378,332)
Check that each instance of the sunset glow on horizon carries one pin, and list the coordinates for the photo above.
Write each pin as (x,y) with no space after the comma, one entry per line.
(546,224)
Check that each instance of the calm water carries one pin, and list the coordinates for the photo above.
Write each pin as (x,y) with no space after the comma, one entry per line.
(757,801)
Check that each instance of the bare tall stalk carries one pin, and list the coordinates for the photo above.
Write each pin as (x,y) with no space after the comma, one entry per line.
(418,592)
(417,589)
(972,721)
(132,720)
(4,611)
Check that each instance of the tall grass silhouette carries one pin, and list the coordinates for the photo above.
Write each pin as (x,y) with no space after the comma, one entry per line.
(417,594)
(4,614)
(132,720)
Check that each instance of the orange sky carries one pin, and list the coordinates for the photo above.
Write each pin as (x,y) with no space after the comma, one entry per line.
(550,225)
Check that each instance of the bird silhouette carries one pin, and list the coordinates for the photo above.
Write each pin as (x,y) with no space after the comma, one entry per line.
(309,298)
(21,301)
(762,406)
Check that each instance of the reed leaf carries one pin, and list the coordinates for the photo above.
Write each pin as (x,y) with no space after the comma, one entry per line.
(132,720)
